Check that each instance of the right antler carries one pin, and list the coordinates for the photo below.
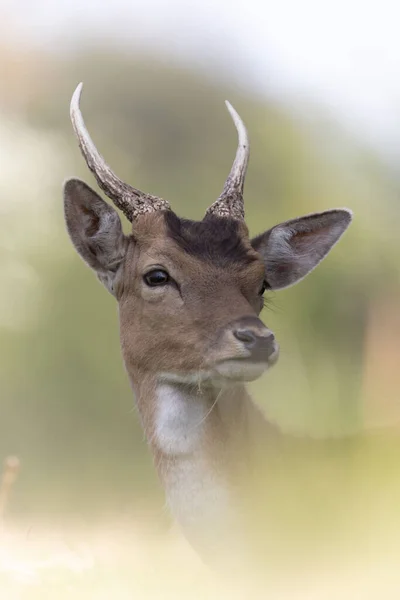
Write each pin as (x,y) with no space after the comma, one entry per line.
(131,201)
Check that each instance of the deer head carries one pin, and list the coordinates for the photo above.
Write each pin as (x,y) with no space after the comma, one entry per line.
(190,293)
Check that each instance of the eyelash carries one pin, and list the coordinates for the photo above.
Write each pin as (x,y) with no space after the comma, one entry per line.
(265,286)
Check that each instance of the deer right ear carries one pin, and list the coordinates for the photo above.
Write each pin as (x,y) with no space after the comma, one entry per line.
(95,230)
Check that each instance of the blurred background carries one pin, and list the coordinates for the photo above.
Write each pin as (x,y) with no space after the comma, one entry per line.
(317,85)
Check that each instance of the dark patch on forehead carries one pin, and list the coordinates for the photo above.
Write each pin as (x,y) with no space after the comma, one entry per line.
(215,239)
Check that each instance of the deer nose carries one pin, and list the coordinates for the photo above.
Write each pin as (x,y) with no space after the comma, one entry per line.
(246,336)
(261,346)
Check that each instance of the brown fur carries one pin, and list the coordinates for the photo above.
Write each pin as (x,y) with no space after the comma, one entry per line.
(184,349)
(170,329)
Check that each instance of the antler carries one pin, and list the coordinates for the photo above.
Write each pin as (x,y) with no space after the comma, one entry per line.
(131,201)
(230,203)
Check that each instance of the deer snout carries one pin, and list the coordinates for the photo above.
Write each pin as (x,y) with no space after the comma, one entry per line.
(245,350)
(258,340)
(260,346)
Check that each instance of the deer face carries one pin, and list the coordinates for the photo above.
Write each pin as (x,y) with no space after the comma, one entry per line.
(190,298)
(190,293)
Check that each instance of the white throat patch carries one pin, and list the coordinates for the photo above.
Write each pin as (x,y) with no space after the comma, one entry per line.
(179,419)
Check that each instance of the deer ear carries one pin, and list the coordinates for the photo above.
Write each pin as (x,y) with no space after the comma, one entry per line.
(294,248)
(95,230)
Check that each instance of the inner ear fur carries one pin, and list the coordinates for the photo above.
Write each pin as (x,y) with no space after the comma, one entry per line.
(95,230)
(294,248)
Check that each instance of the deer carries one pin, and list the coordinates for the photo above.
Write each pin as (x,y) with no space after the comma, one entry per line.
(189,297)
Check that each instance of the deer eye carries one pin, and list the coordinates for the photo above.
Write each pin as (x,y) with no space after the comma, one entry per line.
(156,277)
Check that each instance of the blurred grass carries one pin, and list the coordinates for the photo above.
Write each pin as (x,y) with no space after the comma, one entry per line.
(119,563)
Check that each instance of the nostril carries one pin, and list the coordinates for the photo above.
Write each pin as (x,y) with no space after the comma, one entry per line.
(246,336)
(270,338)
(268,344)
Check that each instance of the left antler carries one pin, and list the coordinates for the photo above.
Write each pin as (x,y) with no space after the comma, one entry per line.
(230,203)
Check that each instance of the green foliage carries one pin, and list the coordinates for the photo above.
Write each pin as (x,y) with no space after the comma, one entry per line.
(66,406)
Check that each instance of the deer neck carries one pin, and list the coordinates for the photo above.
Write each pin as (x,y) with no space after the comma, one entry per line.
(201,443)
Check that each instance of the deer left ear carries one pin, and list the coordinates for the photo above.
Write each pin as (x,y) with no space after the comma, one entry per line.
(294,248)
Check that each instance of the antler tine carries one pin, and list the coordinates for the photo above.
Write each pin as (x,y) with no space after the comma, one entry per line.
(230,203)
(131,201)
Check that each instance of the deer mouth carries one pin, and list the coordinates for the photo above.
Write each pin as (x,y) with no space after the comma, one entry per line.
(245,368)
(237,368)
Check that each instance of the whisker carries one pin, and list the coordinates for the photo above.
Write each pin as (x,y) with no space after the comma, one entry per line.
(209,411)
(270,304)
